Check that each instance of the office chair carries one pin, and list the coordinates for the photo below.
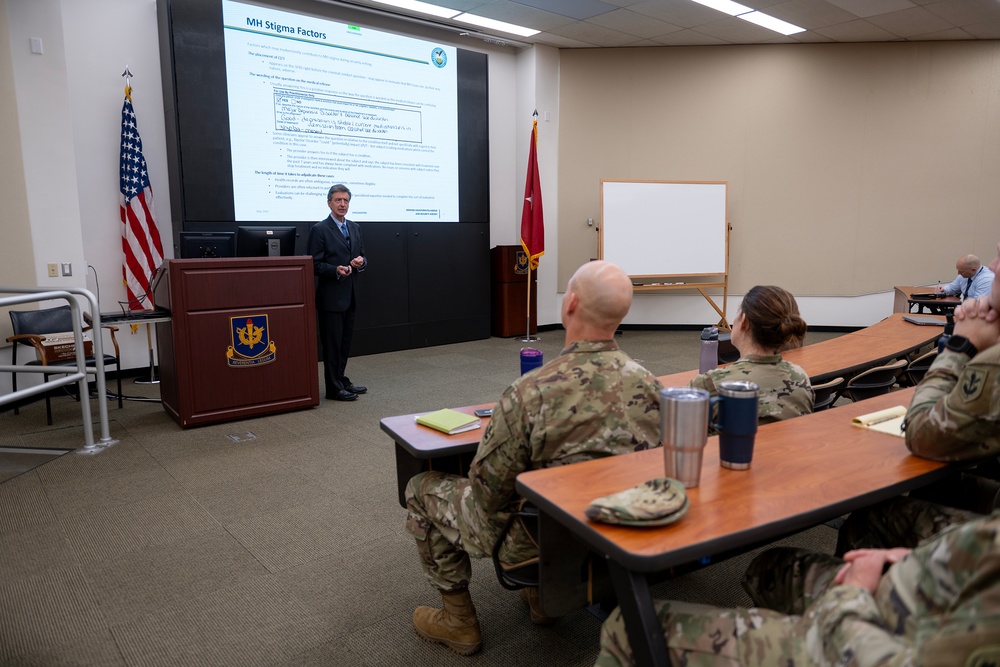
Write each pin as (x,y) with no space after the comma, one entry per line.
(917,368)
(826,393)
(520,575)
(727,351)
(874,381)
(30,327)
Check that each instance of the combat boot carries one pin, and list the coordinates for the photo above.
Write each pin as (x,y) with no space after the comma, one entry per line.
(538,617)
(455,626)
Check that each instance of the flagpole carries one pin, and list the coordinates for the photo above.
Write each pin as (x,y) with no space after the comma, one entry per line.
(528,338)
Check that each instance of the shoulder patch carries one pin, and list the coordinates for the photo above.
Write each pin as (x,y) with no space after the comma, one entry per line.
(971,384)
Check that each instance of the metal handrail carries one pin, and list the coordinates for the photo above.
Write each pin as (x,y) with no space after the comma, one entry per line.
(39,294)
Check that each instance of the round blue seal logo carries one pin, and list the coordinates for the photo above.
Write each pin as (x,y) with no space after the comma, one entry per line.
(439,57)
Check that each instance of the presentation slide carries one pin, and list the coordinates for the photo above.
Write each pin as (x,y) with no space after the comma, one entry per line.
(313,102)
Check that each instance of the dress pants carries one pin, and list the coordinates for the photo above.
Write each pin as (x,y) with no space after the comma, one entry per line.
(336,330)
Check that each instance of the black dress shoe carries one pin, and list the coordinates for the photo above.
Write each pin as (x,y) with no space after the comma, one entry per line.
(356,389)
(343,395)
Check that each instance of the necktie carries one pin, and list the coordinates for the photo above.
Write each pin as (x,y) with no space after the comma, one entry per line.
(968,286)
(343,230)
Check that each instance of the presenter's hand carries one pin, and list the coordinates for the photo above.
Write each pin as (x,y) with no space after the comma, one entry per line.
(343,271)
(358,262)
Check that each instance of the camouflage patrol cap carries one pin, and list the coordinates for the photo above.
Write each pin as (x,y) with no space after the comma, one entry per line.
(654,503)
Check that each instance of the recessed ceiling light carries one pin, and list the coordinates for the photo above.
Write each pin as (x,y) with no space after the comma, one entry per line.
(727,6)
(493,24)
(771,23)
(422,7)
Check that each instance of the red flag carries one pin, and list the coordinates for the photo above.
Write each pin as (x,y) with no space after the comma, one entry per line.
(532,225)
(140,237)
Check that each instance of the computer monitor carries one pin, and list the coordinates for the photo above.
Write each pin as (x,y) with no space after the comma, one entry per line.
(201,245)
(265,241)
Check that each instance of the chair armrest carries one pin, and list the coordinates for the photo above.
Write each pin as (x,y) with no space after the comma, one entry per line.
(114,341)
(31,340)
(26,339)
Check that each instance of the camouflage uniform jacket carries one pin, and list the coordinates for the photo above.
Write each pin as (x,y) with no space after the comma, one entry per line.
(590,402)
(938,606)
(785,391)
(955,411)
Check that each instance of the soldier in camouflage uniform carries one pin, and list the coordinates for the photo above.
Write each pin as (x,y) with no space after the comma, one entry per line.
(955,411)
(954,416)
(766,323)
(590,402)
(938,605)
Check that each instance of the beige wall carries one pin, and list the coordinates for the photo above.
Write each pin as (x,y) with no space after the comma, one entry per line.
(851,167)
(17,266)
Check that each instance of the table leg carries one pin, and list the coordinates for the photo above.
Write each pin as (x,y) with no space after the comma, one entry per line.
(407,466)
(645,635)
(152,379)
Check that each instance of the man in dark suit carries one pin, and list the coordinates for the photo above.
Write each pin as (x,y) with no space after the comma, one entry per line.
(338,255)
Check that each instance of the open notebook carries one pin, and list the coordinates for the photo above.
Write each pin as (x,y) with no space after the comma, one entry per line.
(888,421)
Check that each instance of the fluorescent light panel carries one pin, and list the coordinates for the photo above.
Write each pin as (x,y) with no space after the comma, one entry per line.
(771,23)
(422,7)
(726,6)
(753,16)
(493,24)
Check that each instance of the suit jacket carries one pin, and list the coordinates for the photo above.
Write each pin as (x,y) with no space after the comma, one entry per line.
(329,249)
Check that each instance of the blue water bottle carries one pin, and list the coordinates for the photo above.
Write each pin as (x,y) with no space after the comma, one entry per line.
(530,359)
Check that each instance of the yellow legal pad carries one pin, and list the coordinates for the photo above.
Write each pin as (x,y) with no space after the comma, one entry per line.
(449,421)
(888,421)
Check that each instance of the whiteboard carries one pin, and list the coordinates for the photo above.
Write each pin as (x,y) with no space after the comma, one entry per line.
(664,228)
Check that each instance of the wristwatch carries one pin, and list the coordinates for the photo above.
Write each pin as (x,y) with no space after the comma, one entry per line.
(963,345)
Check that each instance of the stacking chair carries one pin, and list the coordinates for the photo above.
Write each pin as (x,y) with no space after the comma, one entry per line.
(874,381)
(30,327)
(826,393)
(917,368)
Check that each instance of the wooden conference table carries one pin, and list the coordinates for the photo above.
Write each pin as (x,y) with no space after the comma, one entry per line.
(805,471)
(419,448)
(907,296)
(851,353)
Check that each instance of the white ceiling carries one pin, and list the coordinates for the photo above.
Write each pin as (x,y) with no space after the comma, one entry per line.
(621,23)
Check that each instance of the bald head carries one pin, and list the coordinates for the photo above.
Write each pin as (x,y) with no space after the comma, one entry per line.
(967,265)
(597,299)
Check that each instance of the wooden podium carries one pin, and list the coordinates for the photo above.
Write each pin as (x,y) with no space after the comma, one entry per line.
(241,341)
(509,277)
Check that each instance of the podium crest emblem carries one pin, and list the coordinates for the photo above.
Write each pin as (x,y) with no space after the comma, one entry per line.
(520,262)
(250,341)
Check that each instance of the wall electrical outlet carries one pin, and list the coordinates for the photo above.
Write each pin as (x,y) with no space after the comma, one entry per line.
(53,270)
(67,268)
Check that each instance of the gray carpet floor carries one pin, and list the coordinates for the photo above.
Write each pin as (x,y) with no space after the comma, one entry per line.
(274,541)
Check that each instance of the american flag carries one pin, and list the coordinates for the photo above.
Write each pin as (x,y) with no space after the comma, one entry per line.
(140,237)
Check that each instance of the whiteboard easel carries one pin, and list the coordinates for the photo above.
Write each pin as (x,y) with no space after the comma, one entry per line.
(668,235)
